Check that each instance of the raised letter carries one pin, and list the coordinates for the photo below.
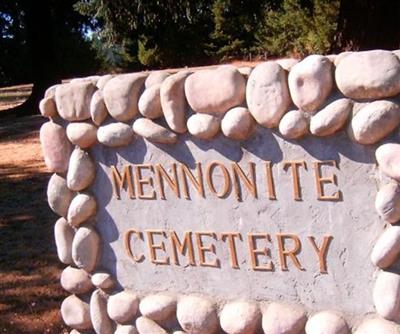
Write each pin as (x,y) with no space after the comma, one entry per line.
(294,165)
(283,253)
(320,181)
(118,181)
(232,246)
(140,182)
(254,251)
(153,247)
(127,244)
(321,253)
(270,180)
(161,174)
(238,174)
(210,183)
(203,249)
(186,246)
(198,184)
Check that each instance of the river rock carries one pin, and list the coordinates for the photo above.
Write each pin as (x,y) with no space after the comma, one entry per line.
(173,101)
(123,306)
(197,315)
(81,170)
(75,313)
(75,280)
(327,323)
(156,78)
(73,100)
(238,124)
(59,196)
(332,118)
(82,207)
(126,329)
(47,107)
(102,324)
(63,235)
(115,134)
(215,91)
(386,295)
(150,103)
(92,78)
(287,63)
(280,318)
(103,280)
(294,124)
(98,109)
(51,91)
(375,121)
(369,75)
(388,158)
(154,132)
(103,80)
(387,248)
(267,93)
(82,134)
(245,71)
(86,248)
(203,126)
(145,326)
(377,325)
(55,146)
(341,56)
(121,95)
(387,202)
(158,307)
(240,318)
(310,82)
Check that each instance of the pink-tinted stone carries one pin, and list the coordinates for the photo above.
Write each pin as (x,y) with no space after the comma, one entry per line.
(388,158)
(55,146)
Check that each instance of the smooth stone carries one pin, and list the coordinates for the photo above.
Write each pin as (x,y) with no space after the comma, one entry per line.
(294,124)
(369,75)
(82,134)
(73,100)
(215,91)
(331,118)
(388,158)
(150,103)
(51,91)
(375,121)
(86,248)
(287,63)
(197,315)
(387,202)
(267,94)
(59,196)
(121,95)
(327,323)
(47,107)
(158,307)
(332,57)
(82,207)
(102,324)
(341,56)
(387,248)
(154,132)
(310,82)
(240,318)
(126,329)
(102,280)
(173,101)
(386,295)
(203,126)
(55,146)
(123,306)
(245,71)
(377,326)
(103,80)
(81,170)
(115,134)
(146,326)
(75,280)
(74,331)
(238,124)
(98,109)
(64,235)
(156,78)
(281,318)
(75,313)
(92,78)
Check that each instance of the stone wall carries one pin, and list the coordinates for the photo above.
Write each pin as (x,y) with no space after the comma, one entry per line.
(353,93)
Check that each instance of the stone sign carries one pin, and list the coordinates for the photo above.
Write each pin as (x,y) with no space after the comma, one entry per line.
(229,200)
